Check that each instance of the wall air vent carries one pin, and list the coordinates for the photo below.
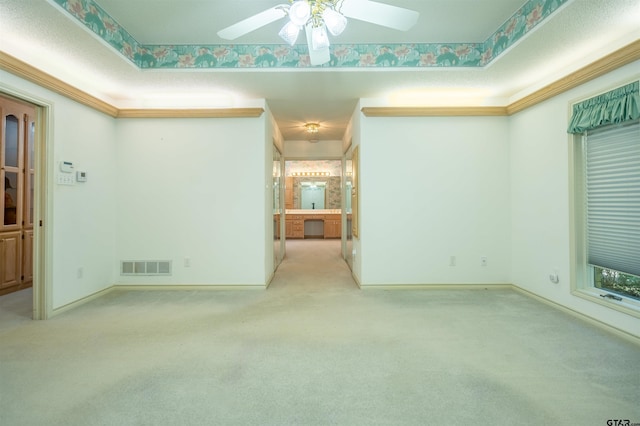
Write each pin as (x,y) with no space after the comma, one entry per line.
(145,267)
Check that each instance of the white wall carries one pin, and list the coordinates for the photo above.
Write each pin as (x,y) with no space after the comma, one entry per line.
(82,222)
(432,188)
(541,221)
(321,150)
(193,188)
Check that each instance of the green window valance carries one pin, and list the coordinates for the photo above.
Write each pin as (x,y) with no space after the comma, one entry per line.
(618,105)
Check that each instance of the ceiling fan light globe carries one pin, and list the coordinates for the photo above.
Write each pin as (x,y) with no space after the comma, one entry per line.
(289,33)
(319,38)
(335,22)
(300,12)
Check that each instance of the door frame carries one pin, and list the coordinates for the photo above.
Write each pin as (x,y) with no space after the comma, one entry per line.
(43,210)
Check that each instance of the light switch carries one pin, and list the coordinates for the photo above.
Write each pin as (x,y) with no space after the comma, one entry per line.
(65,179)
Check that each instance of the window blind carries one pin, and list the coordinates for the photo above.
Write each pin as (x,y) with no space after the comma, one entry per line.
(613,197)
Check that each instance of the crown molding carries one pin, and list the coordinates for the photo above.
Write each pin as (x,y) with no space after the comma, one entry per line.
(433,111)
(613,61)
(42,79)
(34,75)
(617,59)
(191,113)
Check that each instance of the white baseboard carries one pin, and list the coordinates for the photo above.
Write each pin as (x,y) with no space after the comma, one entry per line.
(273,274)
(356,280)
(188,287)
(130,287)
(127,287)
(80,302)
(593,321)
(437,287)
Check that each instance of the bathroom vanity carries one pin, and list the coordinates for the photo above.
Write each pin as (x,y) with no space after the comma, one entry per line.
(313,223)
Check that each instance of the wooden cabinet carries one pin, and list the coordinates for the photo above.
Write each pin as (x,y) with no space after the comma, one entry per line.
(288,193)
(276,226)
(288,228)
(332,226)
(17,174)
(294,224)
(298,229)
(10,246)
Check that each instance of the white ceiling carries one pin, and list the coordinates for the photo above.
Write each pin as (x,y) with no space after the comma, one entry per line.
(39,33)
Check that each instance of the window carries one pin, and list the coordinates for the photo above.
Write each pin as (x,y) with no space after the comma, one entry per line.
(606,205)
(617,282)
(608,193)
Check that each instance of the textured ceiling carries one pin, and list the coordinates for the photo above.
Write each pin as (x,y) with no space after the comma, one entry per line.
(40,33)
(197,21)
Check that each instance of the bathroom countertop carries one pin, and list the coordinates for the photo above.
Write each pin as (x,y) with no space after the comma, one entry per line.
(313,211)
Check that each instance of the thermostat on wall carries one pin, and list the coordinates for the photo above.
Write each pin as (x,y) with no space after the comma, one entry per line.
(66,166)
(81,176)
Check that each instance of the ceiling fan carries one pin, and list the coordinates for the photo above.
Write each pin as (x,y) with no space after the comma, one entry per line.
(318,17)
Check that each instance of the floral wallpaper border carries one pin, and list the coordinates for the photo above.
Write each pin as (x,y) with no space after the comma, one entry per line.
(420,55)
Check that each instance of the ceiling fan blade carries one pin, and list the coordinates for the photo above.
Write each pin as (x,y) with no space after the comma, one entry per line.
(316,56)
(386,15)
(253,22)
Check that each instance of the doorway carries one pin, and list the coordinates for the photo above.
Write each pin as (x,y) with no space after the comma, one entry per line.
(17,172)
(22,165)
(313,202)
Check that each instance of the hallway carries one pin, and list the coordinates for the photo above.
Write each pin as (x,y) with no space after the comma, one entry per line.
(313,350)
(313,265)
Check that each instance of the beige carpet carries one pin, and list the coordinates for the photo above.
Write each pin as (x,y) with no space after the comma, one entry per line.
(312,350)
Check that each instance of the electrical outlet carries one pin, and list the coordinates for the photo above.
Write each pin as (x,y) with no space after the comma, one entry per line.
(452,261)
(80,273)
(483,261)
(187,262)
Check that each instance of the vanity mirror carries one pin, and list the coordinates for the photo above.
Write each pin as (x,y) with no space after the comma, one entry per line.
(313,193)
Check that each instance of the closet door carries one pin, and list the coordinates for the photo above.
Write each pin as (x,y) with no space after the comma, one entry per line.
(17,137)
(11,165)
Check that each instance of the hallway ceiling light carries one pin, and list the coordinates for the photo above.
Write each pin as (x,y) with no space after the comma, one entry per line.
(312,128)
(319,17)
